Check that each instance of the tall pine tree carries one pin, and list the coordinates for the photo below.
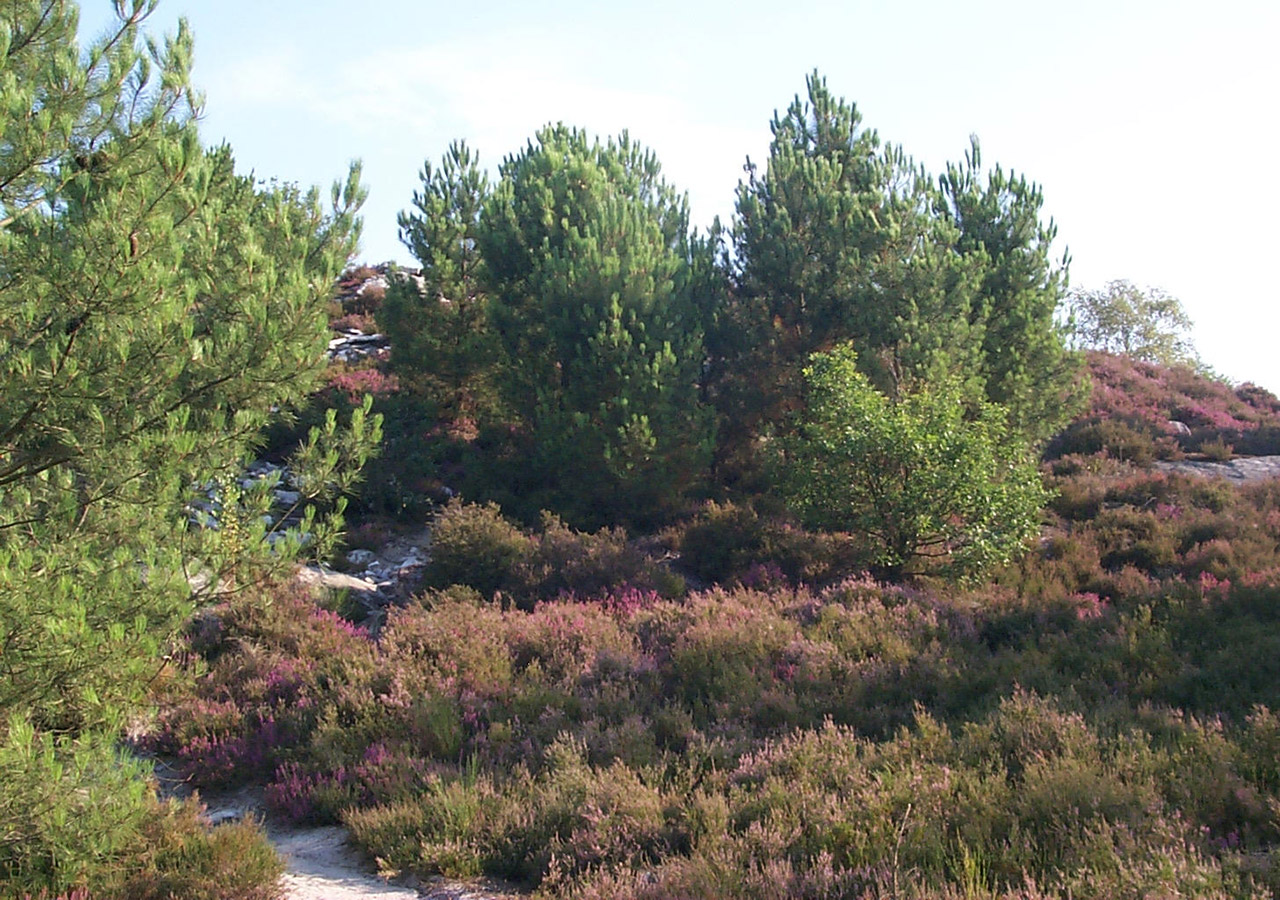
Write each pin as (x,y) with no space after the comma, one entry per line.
(836,240)
(593,279)
(156,309)
(842,238)
(443,347)
(574,289)
(1027,366)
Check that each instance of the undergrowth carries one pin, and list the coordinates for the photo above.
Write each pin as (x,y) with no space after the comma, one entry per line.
(557,710)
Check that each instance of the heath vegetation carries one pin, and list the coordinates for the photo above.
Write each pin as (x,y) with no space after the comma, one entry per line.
(822,554)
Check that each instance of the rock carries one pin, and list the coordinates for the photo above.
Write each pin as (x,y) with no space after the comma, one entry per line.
(286,498)
(1244,469)
(337,580)
(216,817)
(360,558)
(1180,428)
(353,345)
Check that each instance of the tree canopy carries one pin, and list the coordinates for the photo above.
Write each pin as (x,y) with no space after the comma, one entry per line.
(582,278)
(843,238)
(932,484)
(1149,324)
(157,310)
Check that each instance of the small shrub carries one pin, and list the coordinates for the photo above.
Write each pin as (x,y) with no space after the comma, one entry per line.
(732,544)
(475,546)
(1120,440)
(183,857)
(1217,449)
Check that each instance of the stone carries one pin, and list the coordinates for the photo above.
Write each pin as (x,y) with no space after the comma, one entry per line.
(336,580)
(360,558)
(217,817)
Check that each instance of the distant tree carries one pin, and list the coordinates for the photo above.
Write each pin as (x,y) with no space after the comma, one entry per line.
(1149,325)
(156,311)
(931,483)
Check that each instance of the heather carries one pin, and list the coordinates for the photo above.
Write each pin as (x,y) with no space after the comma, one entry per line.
(1095,721)
(1134,404)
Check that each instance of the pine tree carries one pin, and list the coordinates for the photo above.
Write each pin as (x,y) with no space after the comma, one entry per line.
(593,273)
(443,346)
(156,309)
(837,241)
(843,238)
(1028,368)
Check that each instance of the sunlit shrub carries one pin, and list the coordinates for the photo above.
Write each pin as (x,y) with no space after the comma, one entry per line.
(475,546)
(182,856)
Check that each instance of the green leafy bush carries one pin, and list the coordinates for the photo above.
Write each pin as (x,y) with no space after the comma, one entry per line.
(929,487)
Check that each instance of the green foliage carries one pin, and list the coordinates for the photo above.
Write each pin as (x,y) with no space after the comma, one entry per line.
(930,487)
(164,850)
(1025,361)
(837,241)
(1218,450)
(592,271)
(183,857)
(1120,318)
(66,807)
(475,546)
(843,239)
(571,288)
(156,310)
(439,328)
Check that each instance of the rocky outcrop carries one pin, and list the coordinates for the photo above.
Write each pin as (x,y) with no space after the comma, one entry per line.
(352,345)
(1245,469)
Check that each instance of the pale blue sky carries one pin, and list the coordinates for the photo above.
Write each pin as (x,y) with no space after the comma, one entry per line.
(1151,124)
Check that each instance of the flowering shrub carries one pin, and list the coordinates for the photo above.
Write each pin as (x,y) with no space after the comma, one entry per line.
(353,384)
(1134,404)
(1096,721)
(475,546)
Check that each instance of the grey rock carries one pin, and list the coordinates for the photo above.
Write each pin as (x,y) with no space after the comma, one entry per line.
(217,817)
(360,558)
(337,580)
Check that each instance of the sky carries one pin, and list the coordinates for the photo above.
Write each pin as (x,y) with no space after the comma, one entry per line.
(1151,125)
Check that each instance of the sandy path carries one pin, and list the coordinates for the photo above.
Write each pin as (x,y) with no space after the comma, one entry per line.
(320,864)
